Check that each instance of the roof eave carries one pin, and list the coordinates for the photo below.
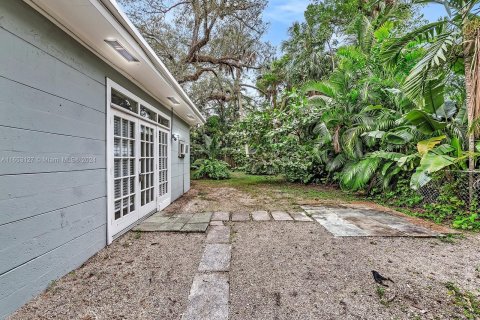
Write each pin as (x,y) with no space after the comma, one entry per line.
(122,18)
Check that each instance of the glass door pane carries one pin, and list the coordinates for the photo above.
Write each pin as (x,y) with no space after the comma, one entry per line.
(162,163)
(123,166)
(147,164)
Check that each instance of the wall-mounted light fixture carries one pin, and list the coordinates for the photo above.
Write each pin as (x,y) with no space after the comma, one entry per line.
(173,100)
(117,46)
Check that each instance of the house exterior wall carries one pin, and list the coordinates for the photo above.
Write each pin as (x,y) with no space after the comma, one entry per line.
(53,212)
(180,166)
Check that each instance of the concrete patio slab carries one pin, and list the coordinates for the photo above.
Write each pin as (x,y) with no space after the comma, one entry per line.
(300,217)
(181,222)
(180,218)
(158,218)
(218,234)
(208,299)
(200,217)
(240,216)
(221,216)
(216,258)
(281,216)
(147,227)
(260,216)
(339,227)
(216,223)
(361,222)
(195,227)
(170,227)
(372,227)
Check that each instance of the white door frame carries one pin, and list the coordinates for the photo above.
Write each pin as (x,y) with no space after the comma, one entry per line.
(112,227)
(152,205)
(166,199)
(118,225)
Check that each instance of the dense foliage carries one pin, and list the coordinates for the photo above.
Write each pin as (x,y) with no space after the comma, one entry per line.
(382,111)
(207,151)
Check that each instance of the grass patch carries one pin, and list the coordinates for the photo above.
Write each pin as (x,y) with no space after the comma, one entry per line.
(450,238)
(277,184)
(241,180)
(52,286)
(466,300)
(137,235)
(313,192)
(380,292)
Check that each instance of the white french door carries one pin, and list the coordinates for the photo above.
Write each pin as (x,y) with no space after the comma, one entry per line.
(147,165)
(139,169)
(125,171)
(163,193)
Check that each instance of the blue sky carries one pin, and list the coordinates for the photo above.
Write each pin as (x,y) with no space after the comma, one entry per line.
(282,13)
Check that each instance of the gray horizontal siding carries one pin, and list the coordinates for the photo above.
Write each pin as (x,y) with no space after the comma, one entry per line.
(52,105)
(40,234)
(25,151)
(52,102)
(24,107)
(23,283)
(29,65)
(28,195)
(180,167)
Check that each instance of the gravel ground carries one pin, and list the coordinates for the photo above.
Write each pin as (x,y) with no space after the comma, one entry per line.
(279,270)
(284,270)
(146,277)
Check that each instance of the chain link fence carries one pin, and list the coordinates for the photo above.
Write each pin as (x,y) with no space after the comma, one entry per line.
(464,185)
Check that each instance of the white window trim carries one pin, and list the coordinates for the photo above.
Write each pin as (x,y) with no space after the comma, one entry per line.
(110,84)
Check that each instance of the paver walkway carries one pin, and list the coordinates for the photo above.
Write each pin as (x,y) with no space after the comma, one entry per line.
(209,294)
(198,222)
(183,222)
(339,221)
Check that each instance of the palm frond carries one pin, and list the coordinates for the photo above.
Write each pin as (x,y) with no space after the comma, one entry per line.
(336,163)
(357,175)
(319,87)
(392,48)
(414,85)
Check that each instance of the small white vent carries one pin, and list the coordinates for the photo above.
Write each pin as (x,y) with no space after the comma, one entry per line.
(117,46)
(173,100)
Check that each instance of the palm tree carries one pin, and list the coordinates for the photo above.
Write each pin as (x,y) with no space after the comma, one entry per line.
(305,50)
(448,42)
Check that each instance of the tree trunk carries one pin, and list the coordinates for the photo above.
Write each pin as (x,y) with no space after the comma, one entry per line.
(274,96)
(238,92)
(470,41)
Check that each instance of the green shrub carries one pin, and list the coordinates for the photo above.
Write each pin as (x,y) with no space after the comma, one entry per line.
(399,195)
(449,207)
(260,166)
(469,222)
(210,169)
